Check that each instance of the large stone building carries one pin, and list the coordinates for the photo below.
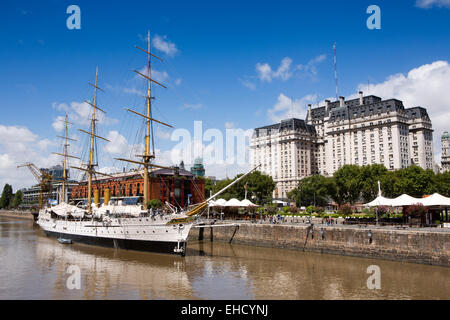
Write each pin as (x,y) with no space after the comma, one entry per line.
(445,158)
(362,131)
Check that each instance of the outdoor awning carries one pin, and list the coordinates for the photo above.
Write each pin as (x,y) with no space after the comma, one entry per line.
(436,200)
(248,203)
(233,203)
(217,203)
(405,200)
(380,201)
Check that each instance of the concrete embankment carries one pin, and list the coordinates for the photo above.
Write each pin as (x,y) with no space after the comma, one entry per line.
(416,246)
(16,214)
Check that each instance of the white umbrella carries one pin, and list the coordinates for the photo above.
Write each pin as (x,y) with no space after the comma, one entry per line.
(248,203)
(212,203)
(233,203)
(379,201)
(405,200)
(436,200)
(220,202)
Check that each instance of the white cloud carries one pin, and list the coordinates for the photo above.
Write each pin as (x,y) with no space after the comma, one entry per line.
(162,134)
(118,144)
(285,71)
(249,84)
(426,4)
(311,67)
(229,125)
(178,81)
(17,146)
(164,45)
(286,107)
(159,76)
(134,91)
(44,144)
(425,86)
(265,72)
(79,113)
(189,106)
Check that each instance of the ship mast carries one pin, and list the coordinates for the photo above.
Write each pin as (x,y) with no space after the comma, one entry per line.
(90,166)
(149,124)
(65,155)
(147,156)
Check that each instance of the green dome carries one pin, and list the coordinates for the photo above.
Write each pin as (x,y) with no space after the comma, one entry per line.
(446,135)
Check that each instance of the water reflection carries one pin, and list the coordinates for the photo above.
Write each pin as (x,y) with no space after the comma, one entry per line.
(34,267)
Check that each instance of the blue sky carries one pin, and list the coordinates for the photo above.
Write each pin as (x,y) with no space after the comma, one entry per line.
(228,63)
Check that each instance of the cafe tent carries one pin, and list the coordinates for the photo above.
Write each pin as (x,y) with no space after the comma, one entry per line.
(405,200)
(220,203)
(233,203)
(212,204)
(380,201)
(436,200)
(248,203)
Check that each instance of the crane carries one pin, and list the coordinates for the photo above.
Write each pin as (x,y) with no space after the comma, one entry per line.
(43,178)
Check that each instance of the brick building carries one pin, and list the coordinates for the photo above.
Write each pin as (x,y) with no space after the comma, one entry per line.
(178,187)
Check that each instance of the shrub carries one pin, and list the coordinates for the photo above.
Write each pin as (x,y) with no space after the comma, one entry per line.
(310,210)
(271,209)
(416,211)
(381,211)
(345,210)
(154,203)
(320,211)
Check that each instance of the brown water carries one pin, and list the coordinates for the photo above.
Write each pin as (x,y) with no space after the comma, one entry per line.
(33,266)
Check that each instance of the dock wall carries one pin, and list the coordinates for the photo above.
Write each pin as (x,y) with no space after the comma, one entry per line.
(16,214)
(425,247)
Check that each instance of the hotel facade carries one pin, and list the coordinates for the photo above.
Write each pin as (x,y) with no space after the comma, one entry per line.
(362,131)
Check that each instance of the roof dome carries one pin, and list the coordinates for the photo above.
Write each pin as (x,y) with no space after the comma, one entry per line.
(445,135)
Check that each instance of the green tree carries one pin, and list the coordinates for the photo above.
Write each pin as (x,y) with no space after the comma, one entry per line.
(315,190)
(413,181)
(154,203)
(441,184)
(368,180)
(388,181)
(7,196)
(347,184)
(209,186)
(18,198)
(258,184)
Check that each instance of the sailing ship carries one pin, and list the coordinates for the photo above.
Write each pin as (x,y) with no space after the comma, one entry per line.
(115,224)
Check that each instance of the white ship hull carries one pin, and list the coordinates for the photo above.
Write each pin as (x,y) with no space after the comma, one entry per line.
(137,233)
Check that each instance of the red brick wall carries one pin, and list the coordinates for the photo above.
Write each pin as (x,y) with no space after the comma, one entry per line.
(161,188)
